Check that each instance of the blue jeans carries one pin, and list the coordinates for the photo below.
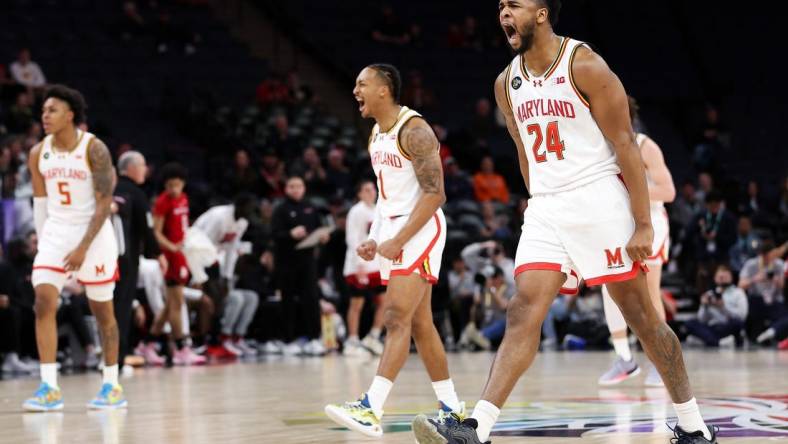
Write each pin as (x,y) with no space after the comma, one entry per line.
(495,331)
(558,312)
(711,334)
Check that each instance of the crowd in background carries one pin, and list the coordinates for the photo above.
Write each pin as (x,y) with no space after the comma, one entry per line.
(728,242)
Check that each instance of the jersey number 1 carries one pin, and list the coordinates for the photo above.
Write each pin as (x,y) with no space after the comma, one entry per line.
(554,143)
(62,188)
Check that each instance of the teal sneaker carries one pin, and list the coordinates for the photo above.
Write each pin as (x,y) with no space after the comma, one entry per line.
(45,399)
(108,398)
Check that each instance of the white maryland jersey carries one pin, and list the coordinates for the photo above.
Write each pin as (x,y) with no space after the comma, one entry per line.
(397,183)
(562,141)
(359,221)
(71,197)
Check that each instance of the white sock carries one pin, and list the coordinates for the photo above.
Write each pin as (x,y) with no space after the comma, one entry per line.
(374,332)
(486,414)
(49,374)
(446,394)
(377,394)
(110,374)
(690,419)
(353,338)
(622,348)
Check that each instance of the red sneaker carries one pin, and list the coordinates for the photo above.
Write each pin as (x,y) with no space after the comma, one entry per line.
(783,345)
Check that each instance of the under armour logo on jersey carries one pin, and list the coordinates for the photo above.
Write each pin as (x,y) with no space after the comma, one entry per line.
(614,259)
(537,83)
(517,82)
(100,270)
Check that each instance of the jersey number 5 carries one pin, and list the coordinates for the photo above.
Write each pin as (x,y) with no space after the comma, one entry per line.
(62,188)
(554,143)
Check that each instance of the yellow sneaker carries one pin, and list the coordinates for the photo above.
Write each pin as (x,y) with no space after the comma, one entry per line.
(356,415)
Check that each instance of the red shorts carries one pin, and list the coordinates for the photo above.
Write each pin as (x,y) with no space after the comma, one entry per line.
(373,278)
(177,270)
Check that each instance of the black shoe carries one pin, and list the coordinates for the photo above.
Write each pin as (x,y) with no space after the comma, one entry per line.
(431,431)
(682,437)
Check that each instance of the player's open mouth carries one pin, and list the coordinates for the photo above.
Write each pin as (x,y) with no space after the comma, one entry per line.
(510,31)
(360,103)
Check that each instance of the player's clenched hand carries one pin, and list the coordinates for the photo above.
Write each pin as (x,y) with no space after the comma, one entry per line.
(639,246)
(75,259)
(390,249)
(367,250)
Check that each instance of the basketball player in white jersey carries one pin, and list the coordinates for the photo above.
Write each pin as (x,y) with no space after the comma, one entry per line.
(408,233)
(362,277)
(73,180)
(660,190)
(567,114)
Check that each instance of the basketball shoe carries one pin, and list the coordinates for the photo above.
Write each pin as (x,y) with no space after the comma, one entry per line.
(374,345)
(620,372)
(682,437)
(186,356)
(356,415)
(353,347)
(653,379)
(455,431)
(45,399)
(109,397)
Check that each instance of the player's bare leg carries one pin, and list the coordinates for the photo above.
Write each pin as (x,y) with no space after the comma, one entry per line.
(372,341)
(108,329)
(172,306)
(661,346)
(353,345)
(46,322)
(407,313)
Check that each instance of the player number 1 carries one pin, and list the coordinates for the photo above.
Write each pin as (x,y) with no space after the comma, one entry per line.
(62,188)
(554,144)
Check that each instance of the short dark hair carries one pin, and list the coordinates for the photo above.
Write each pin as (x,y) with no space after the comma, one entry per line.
(553,9)
(173,170)
(363,182)
(391,76)
(714,196)
(75,100)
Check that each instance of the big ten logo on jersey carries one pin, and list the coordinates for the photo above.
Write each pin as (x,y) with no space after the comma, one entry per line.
(614,258)
(559,80)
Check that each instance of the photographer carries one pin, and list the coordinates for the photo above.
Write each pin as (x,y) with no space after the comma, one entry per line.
(722,312)
(763,279)
(710,237)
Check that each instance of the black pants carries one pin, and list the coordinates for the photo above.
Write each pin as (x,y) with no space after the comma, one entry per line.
(300,301)
(125,291)
(10,330)
(73,313)
(711,334)
(762,316)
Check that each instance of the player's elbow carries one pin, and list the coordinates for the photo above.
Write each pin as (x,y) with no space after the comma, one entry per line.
(670,193)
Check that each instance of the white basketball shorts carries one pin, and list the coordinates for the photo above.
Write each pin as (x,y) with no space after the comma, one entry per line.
(422,254)
(660,249)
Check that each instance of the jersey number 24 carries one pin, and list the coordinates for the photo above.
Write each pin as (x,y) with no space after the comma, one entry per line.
(553,141)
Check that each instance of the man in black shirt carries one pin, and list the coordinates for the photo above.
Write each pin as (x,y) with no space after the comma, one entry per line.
(134,228)
(296,270)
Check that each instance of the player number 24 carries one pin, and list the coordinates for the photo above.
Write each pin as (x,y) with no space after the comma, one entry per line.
(62,188)
(553,142)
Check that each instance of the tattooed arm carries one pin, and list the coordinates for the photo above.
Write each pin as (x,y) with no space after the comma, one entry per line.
(418,141)
(103,185)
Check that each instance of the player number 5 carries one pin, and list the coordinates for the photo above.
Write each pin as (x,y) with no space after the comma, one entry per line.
(62,188)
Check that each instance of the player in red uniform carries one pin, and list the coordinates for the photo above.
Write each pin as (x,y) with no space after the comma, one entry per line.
(170,222)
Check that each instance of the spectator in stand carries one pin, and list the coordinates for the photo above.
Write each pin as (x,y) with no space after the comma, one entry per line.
(417,95)
(705,186)
(243,176)
(8,87)
(21,252)
(495,225)
(389,29)
(489,185)
(707,152)
(286,146)
(310,167)
(441,133)
(472,38)
(457,183)
(710,236)
(27,72)
(20,115)
(490,253)
(337,174)
(272,91)
(722,313)
(296,270)
(685,207)
(272,172)
(299,93)
(763,278)
(482,125)
(746,246)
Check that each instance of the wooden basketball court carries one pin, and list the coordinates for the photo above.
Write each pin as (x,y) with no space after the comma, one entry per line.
(280,399)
